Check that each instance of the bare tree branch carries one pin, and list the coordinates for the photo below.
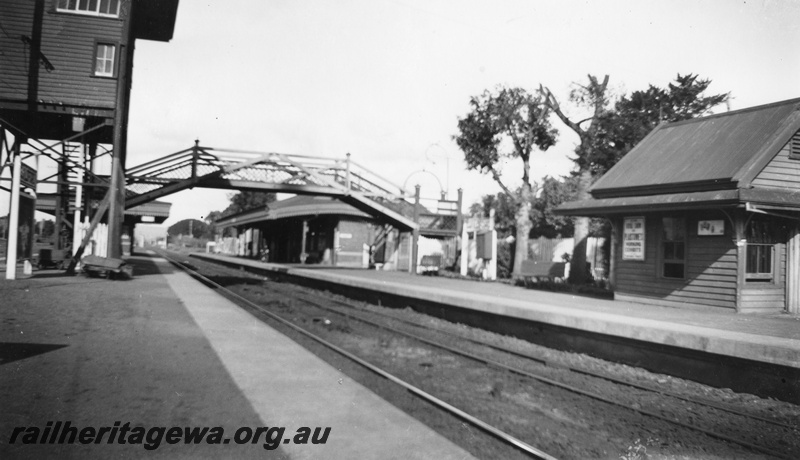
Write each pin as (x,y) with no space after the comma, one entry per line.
(551,102)
(506,190)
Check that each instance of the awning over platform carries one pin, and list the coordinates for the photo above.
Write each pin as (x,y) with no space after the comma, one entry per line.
(158,211)
(788,200)
(298,206)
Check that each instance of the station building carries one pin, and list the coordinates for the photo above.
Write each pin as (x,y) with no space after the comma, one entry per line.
(313,230)
(706,213)
(321,230)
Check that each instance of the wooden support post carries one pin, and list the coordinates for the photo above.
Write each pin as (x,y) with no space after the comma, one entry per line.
(195,156)
(793,271)
(62,199)
(460,216)
(347,173)
(303,254)
(740,239)
(612,258)
(13,218)
(415,233)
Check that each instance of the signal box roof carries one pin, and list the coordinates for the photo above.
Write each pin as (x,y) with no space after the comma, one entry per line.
(155,19)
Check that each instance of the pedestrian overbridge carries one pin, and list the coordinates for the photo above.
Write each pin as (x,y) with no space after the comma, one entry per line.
(217,168)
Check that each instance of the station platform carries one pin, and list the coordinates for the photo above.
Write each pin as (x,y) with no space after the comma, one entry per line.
(707,335)
(162,350)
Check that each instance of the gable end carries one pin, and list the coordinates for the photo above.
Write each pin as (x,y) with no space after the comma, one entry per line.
(794,146)
(783,171)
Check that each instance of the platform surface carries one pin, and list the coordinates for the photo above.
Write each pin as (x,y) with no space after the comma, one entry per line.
(162,350)
(766,338)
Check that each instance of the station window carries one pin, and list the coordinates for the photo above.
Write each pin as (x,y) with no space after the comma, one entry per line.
(762,235)
(105,8)
(105,58)
(673,247)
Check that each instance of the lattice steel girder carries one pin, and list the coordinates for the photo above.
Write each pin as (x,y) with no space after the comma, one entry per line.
(275,172)
(298,189)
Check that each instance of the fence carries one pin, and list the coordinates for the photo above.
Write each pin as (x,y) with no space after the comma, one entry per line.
(97,244)
(553,249)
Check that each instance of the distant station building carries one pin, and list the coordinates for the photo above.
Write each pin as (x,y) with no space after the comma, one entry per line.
(706,212)
(320,230)
(66,69)
(307,229)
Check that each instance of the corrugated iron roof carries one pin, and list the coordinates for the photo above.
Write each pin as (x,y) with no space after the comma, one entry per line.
(715,152)
(153,208)
(296,206)
(46,202)
(766,198)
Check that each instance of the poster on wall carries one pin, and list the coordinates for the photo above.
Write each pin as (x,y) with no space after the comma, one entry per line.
(711,227)
(633,238)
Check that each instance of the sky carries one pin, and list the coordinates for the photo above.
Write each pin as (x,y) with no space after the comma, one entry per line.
(387,80)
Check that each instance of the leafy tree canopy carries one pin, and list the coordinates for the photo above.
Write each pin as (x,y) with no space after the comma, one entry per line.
(553,193)
(190,227)
(509,123)
(247,201)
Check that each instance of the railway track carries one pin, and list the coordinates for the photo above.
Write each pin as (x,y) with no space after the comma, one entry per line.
(456,344)
(522,446)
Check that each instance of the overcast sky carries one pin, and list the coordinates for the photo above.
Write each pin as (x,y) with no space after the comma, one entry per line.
(387,80)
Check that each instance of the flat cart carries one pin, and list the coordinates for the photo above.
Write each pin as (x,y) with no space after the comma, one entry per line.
(106,267)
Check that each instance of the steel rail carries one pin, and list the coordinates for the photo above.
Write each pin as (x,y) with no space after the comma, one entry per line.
(582,371)
(577,370)
(517,443)
(558,384)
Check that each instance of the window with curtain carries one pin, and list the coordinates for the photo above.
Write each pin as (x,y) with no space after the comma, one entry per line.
(673,247)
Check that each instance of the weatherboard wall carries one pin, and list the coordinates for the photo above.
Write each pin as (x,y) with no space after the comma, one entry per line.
(68,42)
(16,20)
(711,268)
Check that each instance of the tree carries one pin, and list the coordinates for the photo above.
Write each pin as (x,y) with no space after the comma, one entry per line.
(594,96)
(248,201)
(507,124)
(612,133)
(189,227)
(553,192)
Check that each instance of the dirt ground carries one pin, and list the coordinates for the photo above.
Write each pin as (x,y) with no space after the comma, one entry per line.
(559,422)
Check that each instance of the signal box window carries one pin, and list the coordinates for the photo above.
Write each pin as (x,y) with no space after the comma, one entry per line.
(673,247)
(104,61)
(106,8)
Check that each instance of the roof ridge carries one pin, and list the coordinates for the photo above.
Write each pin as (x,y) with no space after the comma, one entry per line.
(731,113)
